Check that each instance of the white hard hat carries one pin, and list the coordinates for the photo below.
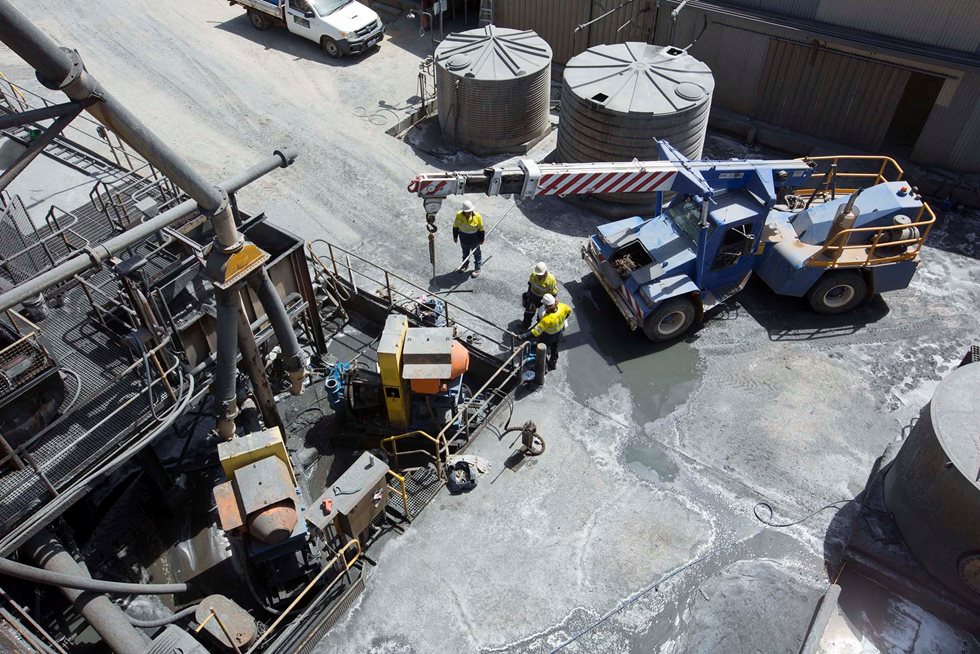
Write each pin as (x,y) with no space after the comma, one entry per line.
(548,299)
(468,206)
(540,268)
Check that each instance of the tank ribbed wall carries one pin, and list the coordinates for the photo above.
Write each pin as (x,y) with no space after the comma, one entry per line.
(617,99)
(494,89)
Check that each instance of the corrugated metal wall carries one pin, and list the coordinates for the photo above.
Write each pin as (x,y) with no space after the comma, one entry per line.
(946,23)
(829,95)
(555,22)
(951,137)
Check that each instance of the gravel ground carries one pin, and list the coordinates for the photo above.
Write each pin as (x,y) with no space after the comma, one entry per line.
(655,456)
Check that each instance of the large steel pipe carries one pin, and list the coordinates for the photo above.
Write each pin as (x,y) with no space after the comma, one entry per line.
(83,262)
(283,328)
(104,616)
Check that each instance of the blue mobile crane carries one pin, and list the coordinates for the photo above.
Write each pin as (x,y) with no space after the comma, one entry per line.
(725,220)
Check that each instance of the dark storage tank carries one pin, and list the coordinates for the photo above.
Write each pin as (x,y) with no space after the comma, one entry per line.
(616,99)
(493,88)
(932,490)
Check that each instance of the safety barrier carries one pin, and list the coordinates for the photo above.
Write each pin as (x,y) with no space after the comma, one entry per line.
(883,169)
(838,253)
(340,557)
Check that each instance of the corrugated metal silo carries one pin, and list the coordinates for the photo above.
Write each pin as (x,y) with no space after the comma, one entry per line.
(493,88)
(616,99)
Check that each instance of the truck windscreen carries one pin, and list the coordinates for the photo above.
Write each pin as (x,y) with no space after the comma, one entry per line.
(686,214)
(324,7)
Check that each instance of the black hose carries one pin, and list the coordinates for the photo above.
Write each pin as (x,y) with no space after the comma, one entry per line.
(48,578)
(160,622)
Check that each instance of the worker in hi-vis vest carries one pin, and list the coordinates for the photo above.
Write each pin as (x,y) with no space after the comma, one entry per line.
(550,327)
(468,232)
(541,283)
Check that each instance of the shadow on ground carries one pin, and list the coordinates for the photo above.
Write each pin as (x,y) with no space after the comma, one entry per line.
(792,319)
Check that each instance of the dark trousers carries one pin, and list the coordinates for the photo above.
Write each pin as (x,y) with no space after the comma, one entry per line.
(551,340)
(471,243)
(531,303)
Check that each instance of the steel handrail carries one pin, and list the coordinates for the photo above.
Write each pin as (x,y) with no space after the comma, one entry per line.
(520,350)
(403,492)
(388,274)
(845,234)
(437,459)
(340,555)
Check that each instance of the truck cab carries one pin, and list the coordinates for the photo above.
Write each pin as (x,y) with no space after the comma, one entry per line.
(835,247)
(340,27)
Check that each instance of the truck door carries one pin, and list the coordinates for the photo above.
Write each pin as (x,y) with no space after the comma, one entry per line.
(300,19)
(729,254)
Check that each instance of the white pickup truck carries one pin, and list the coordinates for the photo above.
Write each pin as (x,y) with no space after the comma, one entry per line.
(341,27)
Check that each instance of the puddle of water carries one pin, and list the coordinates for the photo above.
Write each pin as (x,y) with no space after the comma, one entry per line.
(605,353)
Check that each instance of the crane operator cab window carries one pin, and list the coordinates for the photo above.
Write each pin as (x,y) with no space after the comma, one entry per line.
(736,243)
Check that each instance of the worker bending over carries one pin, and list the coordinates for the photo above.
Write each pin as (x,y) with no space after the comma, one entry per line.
(468,232)
(550,327)
(540,284)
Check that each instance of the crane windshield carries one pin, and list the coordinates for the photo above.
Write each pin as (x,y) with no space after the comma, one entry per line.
(686,214)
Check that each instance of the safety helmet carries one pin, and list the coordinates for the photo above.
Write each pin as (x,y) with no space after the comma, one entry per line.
(548,299)
(540,268)
(468,206)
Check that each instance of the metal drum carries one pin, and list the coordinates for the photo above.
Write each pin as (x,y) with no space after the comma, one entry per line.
(493,88)
(932,488)
(616,99)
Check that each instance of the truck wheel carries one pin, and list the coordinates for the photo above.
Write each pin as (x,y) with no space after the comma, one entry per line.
(837,292)
(669,320)
(331,48)
(258,20)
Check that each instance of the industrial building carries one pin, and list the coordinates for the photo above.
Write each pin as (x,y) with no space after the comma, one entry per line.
(253,400)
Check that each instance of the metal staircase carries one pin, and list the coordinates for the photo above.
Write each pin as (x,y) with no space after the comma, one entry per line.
(486,13)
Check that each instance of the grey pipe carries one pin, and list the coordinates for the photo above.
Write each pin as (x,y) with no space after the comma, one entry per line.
(160,622)
(105,617)
(82,262)
(283,328)
(82,581)
(226,368)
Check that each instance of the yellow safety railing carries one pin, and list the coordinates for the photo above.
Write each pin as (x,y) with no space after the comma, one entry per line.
(831,254)
(884,169)
(435,453)
(341,557)
(402,490)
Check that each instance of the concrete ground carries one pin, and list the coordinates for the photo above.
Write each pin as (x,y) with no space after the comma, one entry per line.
(634,532)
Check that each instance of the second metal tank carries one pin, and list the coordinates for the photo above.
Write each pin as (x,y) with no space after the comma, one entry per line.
(616,99)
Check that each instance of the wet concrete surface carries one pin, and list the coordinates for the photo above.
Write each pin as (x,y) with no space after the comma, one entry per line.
(655,456)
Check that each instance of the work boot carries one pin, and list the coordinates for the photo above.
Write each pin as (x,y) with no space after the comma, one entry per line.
(552,363)
(476,272)
(463,266)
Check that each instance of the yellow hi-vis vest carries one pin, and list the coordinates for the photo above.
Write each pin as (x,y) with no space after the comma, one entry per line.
(468,224)
(539,288)
(553,322)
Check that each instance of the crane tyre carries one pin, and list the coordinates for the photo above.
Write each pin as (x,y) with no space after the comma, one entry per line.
(670,320)
(837,292)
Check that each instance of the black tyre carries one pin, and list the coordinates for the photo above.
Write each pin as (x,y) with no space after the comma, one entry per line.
(837,292)
(259,20)
(331,48)
(670,320)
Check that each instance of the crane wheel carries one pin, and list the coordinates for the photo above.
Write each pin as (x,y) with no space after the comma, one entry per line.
(837,292)
(671,319)
(258,20)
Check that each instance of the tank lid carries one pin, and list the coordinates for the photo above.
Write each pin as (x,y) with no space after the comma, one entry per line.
(953,410)
(639,78)
(493,53)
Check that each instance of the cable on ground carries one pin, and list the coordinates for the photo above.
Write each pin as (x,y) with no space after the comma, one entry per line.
(767,508)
